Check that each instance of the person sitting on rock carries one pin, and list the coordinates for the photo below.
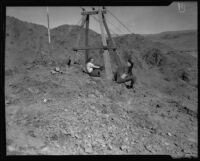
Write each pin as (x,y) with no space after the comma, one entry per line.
(92,70)
(125,74)
(129,67)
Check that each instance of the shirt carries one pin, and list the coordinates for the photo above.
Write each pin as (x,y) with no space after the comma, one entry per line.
(123,75)
(90,67)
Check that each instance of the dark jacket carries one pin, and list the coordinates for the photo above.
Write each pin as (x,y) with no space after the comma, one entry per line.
(129,68)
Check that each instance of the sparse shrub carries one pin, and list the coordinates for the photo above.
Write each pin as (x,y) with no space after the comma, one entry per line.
(184,76)
(126,55)
(8,72)
(170,36)
(30,29)
(167,79)
(25,63)
(170,52)
(154,57)
(52,63)
(64,62)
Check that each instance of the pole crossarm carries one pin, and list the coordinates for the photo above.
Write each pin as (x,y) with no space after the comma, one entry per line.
(93,12)
(94,48)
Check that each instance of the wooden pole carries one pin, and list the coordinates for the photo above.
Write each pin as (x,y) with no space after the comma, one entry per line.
(86,38)
(92,12)
(109,74)
(117,58)
(48,25)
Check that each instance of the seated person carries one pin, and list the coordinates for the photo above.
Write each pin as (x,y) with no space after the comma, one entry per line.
(130,67)
(93,70)
(125,74)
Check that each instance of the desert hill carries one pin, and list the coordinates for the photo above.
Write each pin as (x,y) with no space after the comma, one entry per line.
(72,113)
(27,43)
(181,40)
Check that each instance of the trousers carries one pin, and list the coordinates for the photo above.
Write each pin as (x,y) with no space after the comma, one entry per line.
(95,73)
(129,78)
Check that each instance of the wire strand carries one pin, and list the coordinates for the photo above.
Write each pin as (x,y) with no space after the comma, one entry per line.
(118,28)
(109,28)
(78,21)
(109,23)
(120,22)
(115,26)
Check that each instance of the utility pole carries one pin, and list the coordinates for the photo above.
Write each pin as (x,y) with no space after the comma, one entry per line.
(106,56)
(86,38)
(49,36)
(116,56)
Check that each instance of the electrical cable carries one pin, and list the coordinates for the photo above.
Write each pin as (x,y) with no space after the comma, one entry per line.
(116,27)
(108,22)
(119,22)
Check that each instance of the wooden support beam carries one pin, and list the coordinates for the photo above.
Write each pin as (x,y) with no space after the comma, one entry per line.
(93,12)
(109,74)
(117,58)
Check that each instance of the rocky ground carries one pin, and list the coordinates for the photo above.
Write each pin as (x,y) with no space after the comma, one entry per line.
(72,113)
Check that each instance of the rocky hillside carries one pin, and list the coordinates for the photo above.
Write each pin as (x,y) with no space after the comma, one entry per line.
(30,42)
(72,113)
(26,45)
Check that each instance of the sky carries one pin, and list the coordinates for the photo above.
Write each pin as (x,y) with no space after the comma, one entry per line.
(138,19)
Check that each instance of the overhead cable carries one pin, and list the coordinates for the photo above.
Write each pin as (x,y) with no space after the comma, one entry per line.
(120,22)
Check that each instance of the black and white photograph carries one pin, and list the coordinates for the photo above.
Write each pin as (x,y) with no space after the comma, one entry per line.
(102,80)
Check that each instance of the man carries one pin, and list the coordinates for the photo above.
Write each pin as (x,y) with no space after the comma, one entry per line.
(125,74)
(130,67)
(93,70)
